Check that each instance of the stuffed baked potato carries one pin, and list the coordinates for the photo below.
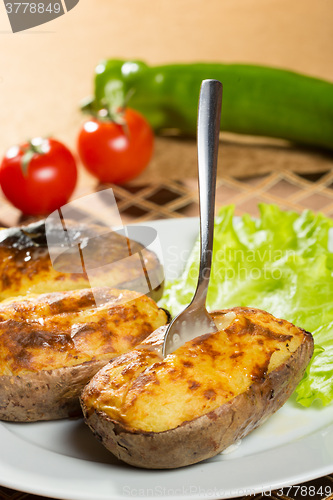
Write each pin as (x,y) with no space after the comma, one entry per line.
(112,259)
(52,344)
(208,394)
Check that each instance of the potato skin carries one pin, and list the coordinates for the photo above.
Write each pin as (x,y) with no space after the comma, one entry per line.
(209,434)
(44,367)
(45,395)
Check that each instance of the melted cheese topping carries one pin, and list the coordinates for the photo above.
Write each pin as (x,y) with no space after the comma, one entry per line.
(145,392)
(62,329)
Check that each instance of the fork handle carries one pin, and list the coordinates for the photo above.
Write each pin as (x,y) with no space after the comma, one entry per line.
(209,117)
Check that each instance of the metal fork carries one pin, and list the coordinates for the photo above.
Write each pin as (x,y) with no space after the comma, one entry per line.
(195,320)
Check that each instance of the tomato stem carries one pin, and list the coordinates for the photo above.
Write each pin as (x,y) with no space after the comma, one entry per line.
(110,109)
(30,151)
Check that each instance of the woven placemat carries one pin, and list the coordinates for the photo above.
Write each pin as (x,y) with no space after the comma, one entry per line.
(179,198)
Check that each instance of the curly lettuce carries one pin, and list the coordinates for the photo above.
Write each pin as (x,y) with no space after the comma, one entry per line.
(280,262)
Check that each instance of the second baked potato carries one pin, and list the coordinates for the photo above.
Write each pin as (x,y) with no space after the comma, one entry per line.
(52,344)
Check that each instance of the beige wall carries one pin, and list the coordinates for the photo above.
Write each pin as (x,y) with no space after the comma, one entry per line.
(44,72)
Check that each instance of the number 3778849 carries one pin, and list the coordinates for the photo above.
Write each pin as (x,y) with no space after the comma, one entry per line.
(32,8)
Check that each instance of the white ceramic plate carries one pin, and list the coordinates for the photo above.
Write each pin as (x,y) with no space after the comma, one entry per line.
(62,459)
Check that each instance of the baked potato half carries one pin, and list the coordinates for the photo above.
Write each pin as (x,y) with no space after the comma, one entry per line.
(112,259)
(211,392)
(52,344)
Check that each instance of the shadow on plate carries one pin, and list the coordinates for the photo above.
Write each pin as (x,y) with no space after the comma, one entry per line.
(87,447)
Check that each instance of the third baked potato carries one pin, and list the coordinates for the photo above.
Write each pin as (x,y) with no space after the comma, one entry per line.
(26,266)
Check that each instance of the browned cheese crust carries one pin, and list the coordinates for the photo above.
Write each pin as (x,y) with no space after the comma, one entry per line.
(211,392)
(26,267)
(52,344)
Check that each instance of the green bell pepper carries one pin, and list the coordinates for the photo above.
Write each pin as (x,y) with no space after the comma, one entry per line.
(257,100)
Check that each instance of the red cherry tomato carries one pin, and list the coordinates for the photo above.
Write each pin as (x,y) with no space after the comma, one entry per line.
(116,153)
(38,177)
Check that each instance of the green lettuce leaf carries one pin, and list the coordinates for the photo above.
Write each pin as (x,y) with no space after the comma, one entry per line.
(279,262)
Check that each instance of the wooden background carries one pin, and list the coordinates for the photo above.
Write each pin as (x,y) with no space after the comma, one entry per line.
(46,71)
